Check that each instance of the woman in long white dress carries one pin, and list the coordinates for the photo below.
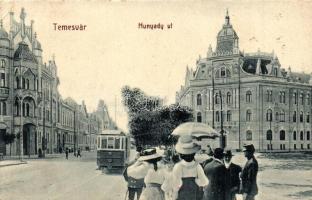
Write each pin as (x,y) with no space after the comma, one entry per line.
(147,167)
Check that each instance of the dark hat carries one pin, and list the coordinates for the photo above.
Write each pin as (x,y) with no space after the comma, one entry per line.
(228,152)
(249,147)
(149,154)
(218,153)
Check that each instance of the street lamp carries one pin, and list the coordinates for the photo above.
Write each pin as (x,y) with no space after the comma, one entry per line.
(222,139)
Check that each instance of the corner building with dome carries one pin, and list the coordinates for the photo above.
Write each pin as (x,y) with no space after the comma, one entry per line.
(259,101)
(31,107)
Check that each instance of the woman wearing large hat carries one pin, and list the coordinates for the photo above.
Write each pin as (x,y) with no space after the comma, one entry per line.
(146,167)
(189,177)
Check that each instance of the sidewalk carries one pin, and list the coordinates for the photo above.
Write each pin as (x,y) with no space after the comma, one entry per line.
(4,163)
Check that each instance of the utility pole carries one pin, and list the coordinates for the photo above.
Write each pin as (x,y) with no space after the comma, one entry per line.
(222,140)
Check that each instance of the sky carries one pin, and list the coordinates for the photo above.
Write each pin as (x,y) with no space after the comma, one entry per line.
(112,51)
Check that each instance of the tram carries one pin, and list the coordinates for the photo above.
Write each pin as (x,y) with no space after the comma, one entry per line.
(113,149)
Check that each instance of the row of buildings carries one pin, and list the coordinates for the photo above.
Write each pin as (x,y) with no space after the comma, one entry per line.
(31,106)
(250,96)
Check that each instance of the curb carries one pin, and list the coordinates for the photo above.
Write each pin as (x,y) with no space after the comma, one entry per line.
(11,164)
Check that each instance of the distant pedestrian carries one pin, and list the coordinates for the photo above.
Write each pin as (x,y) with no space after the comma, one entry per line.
(216,173)
(209,152)
(79,153)
(154,175)
(233,181)
(188,178)
(249,174)
(66,153)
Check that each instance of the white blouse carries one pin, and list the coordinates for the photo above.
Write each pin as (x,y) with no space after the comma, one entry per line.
(185,169)
(146,170)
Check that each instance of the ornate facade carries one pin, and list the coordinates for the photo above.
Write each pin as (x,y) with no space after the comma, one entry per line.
(251,95)
(30,104)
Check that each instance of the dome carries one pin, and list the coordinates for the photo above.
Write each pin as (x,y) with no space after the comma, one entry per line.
(23,52)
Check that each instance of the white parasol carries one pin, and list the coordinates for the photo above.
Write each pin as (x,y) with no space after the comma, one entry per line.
(196,129)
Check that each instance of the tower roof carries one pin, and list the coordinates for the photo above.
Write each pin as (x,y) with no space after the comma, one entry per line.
(3,33)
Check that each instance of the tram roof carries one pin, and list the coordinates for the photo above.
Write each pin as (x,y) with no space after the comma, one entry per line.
(112,132)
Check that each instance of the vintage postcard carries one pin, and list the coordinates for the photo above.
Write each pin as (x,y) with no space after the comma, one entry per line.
(155,100)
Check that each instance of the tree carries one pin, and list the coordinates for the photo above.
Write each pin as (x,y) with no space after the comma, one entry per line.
(155,127)
(9,139)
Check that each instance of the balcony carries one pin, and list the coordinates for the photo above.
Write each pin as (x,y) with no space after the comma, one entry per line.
(4,93)
(25,120)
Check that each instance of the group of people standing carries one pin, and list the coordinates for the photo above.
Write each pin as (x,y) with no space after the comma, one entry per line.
(217,178)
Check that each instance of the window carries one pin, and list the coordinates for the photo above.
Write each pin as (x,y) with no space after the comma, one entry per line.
(104,143)
(248,96)
(295,116)
(301,116)
(27,84)
(269,135)
(17,82)
(2,63)
(301,135)
(295,146)
(269,115)
(308,117)
(27,109)
(248,115)
(223,72)
(23,83)
(199,99)
(308,146)
(229,116)
(308,99)
(3,109)
(275,71)
(295,135)
(282,116)
(295,98)
(248,135)
(2,80)
(269,96)
(277,116)
(301,146)
(228,98)
(117,143)
(308,135)
(217,116)
(282,135)
(302,99)
(282,97)
(199,117)
(217,99)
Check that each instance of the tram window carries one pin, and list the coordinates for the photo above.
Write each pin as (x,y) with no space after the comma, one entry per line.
(110,143)
(122,143)
(104,143)
(99,142)
(117,143)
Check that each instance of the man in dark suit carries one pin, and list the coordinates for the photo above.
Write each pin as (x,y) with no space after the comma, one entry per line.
(233,181)
(249,174)
(216,173)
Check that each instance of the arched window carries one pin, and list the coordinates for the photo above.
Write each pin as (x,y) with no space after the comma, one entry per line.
(27,109)
(301,135)
(282,116)
(269,115)
(248,135)
(295,135)
(3,108)
(228,97)
(27,84)
(308,117)
(301,116)
(229,116)
(269,135)
(199,100)
(277,116)
(17,82)
(23,113)
(295,97)
(295,116)
(16,108)
(23,83)
(217,116)
(302,99)
(217,98)
(248,115)
(2,80)
(308,99)
(248,96)
(282,135)
(269,96)
(2,63)
(199,117)
(282,97)
(308,135)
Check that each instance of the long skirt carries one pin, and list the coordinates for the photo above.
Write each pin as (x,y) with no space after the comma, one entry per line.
(152,191)
(190,190)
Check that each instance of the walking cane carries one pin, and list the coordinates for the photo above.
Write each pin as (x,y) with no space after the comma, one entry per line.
(126,194)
